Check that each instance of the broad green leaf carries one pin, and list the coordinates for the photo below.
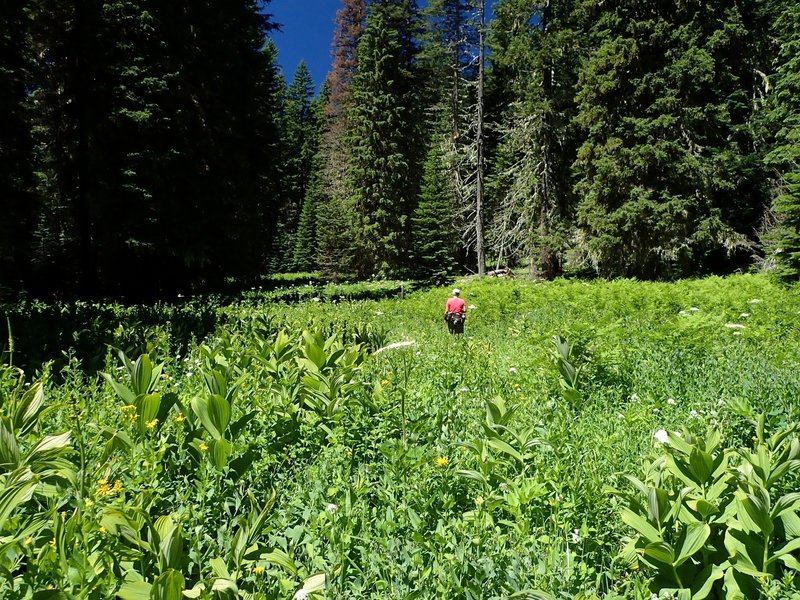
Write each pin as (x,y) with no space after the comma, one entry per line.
(12,496)
(657,505)
(470,474)
(704,581)
(758,509)
(314,583)
(147,407)
(280,558)
(168,586)
(134,590)
(28,409)
(220,568)
(219,451)
(700,464)
(660,551)
(787,502)
(142,374)
(693,537)
(9,449)
(220,412)
(127,396)
(790,561)
(645,529)
(785,549)
(506,448)
(200,406)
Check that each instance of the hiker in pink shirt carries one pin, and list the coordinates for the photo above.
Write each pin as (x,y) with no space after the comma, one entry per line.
(455,313)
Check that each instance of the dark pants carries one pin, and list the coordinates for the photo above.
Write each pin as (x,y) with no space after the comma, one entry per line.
(455,322)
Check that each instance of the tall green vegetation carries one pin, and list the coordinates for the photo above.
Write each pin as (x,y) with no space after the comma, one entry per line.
(620,138)
(384,139)
(665,171)
(535,58)
(784,158)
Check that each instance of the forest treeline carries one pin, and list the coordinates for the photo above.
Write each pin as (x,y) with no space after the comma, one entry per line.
(149,148)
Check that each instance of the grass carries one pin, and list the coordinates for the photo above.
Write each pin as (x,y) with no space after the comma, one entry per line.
(404,486)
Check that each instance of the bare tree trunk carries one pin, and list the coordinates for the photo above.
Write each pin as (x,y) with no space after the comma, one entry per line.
(479,244)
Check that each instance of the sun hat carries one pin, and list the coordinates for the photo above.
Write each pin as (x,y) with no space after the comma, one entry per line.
(456,291)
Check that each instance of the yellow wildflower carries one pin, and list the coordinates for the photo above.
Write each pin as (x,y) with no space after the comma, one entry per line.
(203,446)
(53,543)
(128,407)
(117,487)
(442,461)
(384,382)
(103,489)
(63,515)
(29,541)
(165,377)
(180,417)
(258,569)
(479,500)
(152,424)
(102,529)
(88,502)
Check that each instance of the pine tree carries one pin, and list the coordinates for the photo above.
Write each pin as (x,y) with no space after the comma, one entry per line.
(665,174)
(436,242)
(300,139)
(784,157)
(332,199)
(384,139)
(534,60)
(18,202)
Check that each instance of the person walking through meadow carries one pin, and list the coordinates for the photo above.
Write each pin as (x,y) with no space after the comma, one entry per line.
(455,312)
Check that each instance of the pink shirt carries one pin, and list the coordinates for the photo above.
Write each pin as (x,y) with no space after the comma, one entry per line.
(455,304)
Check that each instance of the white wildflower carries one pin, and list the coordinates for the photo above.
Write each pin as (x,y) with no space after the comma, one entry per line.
(744,315)
(683,313)
(694,414)
(662,436)
(634,397)
(734,326)
(620,416)
(301,595)
(463,390)
(754,301)
(513,370)
(472,307)
(379,313)
(694,309)
(737,333)
(331,508)
(671,401)
(315,299)
(576,536)
(395,345)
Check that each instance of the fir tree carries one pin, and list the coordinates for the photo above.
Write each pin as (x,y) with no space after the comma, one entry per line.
(384,139)
(784,158)
(665,173)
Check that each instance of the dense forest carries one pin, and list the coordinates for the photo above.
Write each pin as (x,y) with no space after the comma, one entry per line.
(152,148)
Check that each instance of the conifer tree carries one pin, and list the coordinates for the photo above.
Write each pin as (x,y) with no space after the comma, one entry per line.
(535,53)
(299,145)
(332,199)
(664,174)
(784,157)
(18,202)
(384,139)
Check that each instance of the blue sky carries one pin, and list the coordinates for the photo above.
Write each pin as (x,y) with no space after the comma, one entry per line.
(306,34)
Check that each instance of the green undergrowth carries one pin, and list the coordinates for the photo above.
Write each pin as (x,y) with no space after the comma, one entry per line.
(303,450)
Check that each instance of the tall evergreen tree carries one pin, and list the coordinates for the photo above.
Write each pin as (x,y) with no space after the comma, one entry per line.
(300,140)
(535,53)
(18,202)
(333,203)
(154,140)
(784,158)
(384,139)
(666,174)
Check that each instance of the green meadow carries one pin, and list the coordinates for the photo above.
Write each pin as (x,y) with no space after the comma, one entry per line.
(603,439)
